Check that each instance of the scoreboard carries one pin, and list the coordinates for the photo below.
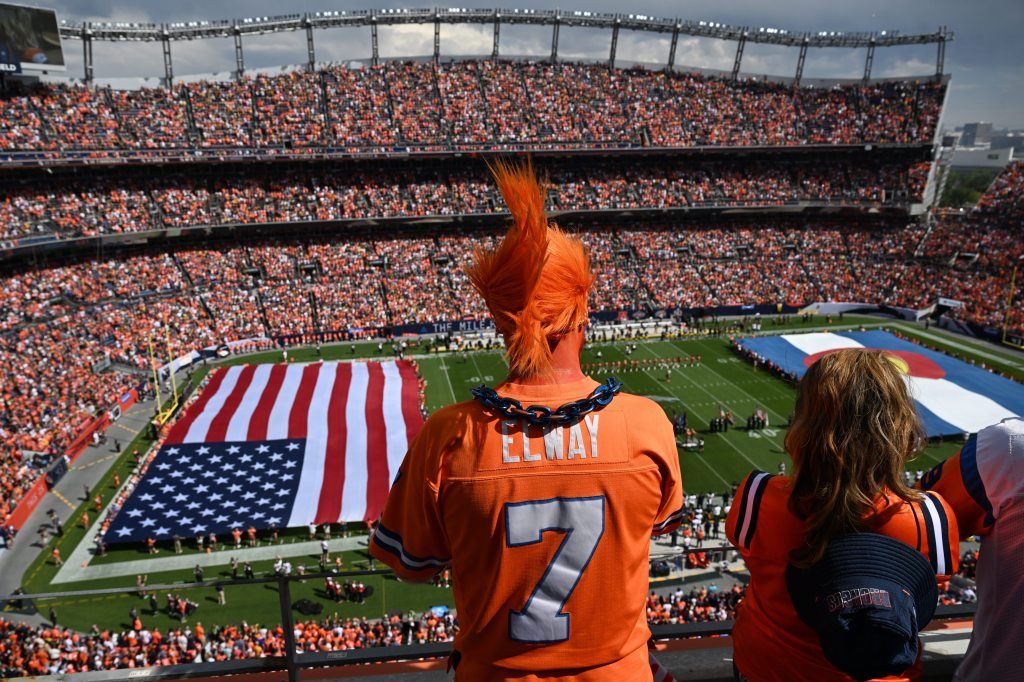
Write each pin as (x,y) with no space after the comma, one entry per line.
(29,40)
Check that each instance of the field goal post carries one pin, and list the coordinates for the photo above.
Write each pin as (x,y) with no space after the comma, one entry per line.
(1013,319)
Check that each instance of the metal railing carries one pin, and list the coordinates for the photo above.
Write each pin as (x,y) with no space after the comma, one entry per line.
(293,662)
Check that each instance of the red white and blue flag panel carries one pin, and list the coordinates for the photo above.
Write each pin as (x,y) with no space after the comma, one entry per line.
(278,445)
(952,396)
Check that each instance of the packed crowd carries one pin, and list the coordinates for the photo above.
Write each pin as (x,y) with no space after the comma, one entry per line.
(699,605)
(1004,200)
(110,203)
(56,323)
(465,105)
(53,650)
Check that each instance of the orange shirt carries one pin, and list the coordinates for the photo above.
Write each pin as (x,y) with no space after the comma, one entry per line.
(548,535)
(771,642)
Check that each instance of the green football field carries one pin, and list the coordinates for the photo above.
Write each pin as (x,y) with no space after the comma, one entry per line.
(720,380)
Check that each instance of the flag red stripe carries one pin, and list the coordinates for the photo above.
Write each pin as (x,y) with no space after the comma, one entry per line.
(298,419)
(180,429)
(377,479)
(219,425)
(329,509)
(410,400)
(261,415)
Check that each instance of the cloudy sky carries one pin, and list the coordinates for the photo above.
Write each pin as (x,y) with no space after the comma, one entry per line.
(985,60)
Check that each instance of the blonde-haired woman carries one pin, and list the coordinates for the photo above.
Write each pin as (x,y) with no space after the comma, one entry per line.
(813,539)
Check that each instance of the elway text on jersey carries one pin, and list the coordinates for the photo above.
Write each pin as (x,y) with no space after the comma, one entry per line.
(521,442)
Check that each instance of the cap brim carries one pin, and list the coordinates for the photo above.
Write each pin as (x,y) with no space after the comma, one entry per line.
(855,560)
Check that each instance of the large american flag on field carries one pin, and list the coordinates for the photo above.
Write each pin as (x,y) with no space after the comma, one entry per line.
(278,445)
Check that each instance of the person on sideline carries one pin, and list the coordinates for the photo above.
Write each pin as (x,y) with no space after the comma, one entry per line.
(544,514)
(844,557)
(984,484)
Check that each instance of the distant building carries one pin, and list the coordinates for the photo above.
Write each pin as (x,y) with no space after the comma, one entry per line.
(1013,140)
(976,135)
(982,158)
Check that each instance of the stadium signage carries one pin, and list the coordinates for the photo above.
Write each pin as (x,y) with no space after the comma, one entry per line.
(453,326)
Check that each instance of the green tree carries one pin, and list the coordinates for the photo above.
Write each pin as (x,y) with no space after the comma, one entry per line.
(966,186)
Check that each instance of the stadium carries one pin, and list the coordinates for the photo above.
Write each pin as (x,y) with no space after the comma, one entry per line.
(195,266)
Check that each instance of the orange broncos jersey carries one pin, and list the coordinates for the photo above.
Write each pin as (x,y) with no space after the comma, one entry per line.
(547,531)
(771,642)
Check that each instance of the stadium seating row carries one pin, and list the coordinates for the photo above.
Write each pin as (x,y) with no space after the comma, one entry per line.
(1003,201)
(51,649)
(43,650)
(71,206)
(466,105)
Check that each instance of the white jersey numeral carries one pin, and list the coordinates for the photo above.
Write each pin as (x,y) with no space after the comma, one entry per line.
(581,519)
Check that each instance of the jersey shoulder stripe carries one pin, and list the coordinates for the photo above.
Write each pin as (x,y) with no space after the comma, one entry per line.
(750,502)
(971,477)
(668,524)
(391,542)
(933,512)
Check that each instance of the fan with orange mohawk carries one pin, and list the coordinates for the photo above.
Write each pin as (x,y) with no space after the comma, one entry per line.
(487,479)
(536,282)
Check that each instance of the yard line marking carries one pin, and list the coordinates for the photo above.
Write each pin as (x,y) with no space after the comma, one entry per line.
(700,458)
(923,452)
(448,380)
(730,443)
(723,402)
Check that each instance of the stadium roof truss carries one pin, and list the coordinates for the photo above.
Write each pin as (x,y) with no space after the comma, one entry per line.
(372,18)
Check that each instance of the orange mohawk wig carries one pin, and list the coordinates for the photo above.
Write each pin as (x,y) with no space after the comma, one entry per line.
(536,282)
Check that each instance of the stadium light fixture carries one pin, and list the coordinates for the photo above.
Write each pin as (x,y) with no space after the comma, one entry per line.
(193,30)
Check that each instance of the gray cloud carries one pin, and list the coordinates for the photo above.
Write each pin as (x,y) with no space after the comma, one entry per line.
(988,76)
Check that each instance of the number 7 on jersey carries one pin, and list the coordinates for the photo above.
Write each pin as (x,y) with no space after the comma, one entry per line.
(581,519)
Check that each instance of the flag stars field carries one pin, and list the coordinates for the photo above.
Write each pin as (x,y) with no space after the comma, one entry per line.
(272,446)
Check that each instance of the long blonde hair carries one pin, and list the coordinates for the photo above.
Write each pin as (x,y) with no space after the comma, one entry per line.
(537,280)
(855,428)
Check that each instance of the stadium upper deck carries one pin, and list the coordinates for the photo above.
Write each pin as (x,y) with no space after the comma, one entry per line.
(404,107)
